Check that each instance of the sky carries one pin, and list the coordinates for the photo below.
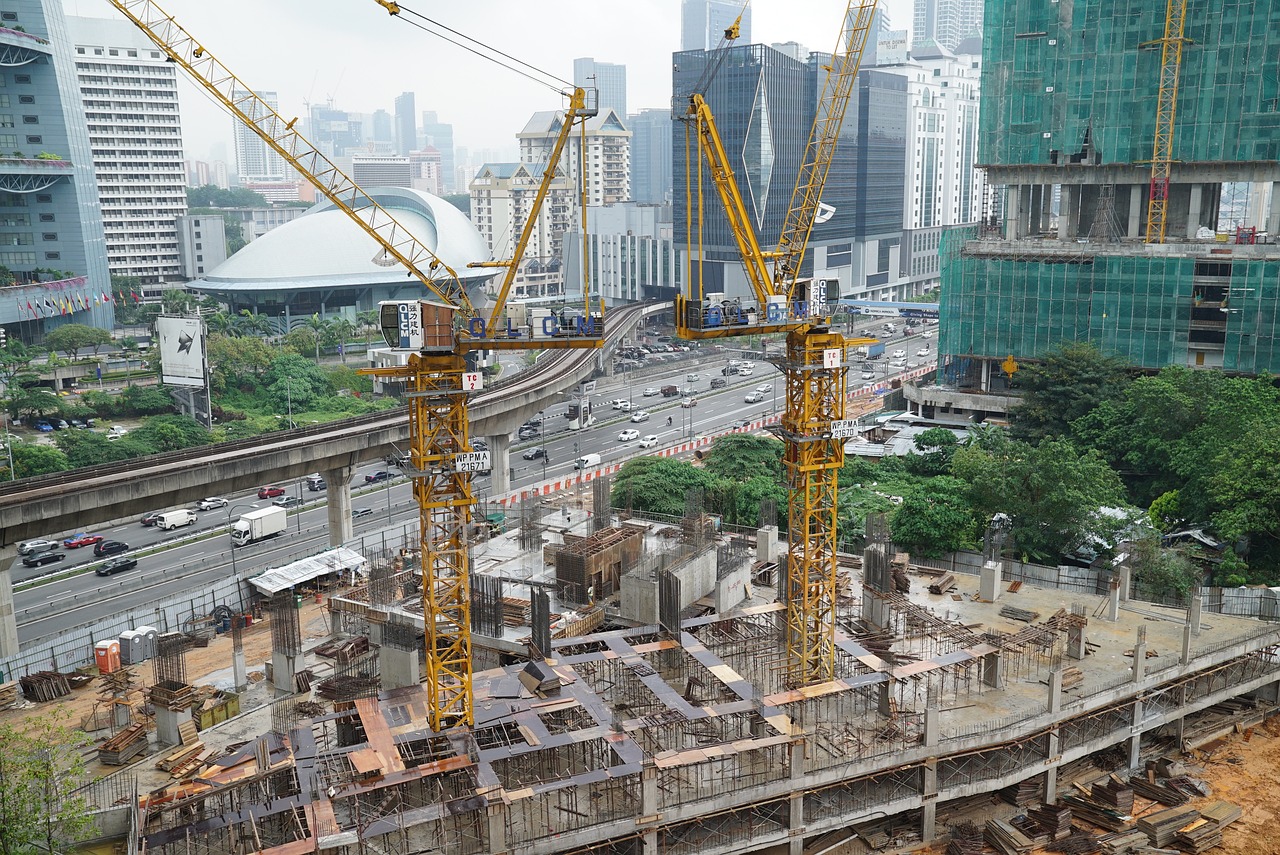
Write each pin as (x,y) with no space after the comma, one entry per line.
(355,53)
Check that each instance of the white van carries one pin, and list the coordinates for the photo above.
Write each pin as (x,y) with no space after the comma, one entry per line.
(170,520)
(586,461)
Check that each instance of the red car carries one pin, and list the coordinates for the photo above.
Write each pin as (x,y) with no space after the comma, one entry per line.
(78,540)
(270,492)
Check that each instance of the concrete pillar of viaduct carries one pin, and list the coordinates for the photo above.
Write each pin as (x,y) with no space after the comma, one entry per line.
(339,490)
(500,460)
(8,616)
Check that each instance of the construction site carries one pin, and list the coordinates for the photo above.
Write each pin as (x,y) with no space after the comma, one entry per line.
(955,695)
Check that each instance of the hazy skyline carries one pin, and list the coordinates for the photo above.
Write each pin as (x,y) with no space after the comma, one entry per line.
(354,53)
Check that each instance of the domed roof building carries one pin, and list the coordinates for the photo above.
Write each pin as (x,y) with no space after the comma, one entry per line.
(324,263)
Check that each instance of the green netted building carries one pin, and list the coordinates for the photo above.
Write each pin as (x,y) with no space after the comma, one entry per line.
(1066,139)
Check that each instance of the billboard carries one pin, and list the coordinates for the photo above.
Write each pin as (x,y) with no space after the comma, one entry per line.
(891,47)
(181,351)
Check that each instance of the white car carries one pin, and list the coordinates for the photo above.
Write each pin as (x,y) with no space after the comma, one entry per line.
(899,354)
(625,406)
(628,435)
(927,334)
(753,398)
(765,387)
(744,372)
(617,403)
(211,504)
(651,391)
(639,416)
(924,351)
(649,441)
(693,378)
(867,375)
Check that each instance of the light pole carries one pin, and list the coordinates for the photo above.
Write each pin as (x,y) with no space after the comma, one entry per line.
(230,509)
(8,447)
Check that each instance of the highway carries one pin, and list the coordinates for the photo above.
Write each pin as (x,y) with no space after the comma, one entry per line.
(193,560)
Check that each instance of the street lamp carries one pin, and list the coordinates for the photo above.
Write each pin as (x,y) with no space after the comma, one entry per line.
(230,509)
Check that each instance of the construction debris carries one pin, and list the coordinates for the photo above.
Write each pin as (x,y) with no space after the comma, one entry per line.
(966,839)
(1165,795)
(1015,613)
(1025,792)
(44,686)
(943,584)
(1004,838)
(8,695)
(1053,820)
(124,746)
(1097,814)
(1115,794)
(1162,827)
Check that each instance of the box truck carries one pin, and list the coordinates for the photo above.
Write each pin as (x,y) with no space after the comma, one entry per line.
(259,524)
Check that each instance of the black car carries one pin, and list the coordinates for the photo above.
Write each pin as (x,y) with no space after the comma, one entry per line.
(379,476)
(151,518)
(116,565)
(528,432)
(39,558)
(109,547)
(535,453)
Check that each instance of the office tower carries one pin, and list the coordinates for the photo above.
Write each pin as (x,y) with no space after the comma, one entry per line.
(758,98)
(501,199)
(1068,121)
(130,96)
(378,170)
(703,22)
(336,133)
(607,156)
(382,127)
(406,130)
(946,22)
(439,135)
(609,80)
(651,156)
(52,220)
(255,160)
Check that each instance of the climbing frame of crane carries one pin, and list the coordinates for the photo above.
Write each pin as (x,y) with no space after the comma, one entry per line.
(813,423)
(1166,112)
(438,331)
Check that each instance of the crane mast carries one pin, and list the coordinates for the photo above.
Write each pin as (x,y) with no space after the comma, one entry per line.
(439,332)
(813,423)
(1166,112)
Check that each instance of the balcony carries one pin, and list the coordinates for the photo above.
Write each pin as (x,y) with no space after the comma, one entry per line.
(28,175)
(18,49)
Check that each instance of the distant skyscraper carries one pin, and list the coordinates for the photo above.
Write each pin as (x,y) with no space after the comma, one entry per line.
(336,132)
(255,160)
(945,22)
(382,130)
(439,135)
(651,156)
(406,127)
(610,79)
(703,22)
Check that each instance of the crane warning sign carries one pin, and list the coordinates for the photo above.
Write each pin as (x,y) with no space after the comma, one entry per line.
(471,461)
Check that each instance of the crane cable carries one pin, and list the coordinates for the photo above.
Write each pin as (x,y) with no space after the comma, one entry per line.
(394,9)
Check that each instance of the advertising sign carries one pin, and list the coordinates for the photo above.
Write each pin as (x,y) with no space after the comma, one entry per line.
(181,351)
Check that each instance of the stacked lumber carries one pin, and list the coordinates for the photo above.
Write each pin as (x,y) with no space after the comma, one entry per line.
(1097,814)
(1023,793)
(1072,677)
(1114,793)
(1162,793)
(179,756)
(1123,842)
(1192,788)
(8,695)
(1223,813)
(344,651)
(1039,839)
(1077,843)
(302,681)
(1199,836)
(1162,827)
(191,765)
(44,686)
(1053,820)
(942,584)
(966,839)
(1015,613)
(172,695)
(124,746)
(188,732)
(1006,839)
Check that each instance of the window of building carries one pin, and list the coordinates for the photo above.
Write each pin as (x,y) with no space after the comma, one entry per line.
(34,139)
(25,99)
(52,256)
(97,51)
(45,218)
(8,142)
(199,258)
(30,120)
(113,52)
(839,254)
(80,50)
(44,197)
(49,236)
(9,16)
(199,246)
(6,121)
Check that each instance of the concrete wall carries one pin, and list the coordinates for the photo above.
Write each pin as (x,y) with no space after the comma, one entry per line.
(640,589)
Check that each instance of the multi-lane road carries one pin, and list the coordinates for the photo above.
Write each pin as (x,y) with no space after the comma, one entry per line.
(172,562)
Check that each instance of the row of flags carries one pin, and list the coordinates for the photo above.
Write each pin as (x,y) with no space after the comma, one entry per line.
(63,304)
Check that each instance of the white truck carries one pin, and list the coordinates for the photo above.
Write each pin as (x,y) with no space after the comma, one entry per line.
(259,524)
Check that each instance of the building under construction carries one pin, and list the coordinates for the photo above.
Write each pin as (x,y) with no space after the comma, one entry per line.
(1132,158)
(683,735)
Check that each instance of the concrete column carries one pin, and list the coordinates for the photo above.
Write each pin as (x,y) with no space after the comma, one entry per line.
(1197,604)
(1066,213)
(1126,581)
(929,804)
(932,726)
(1273,211)
(1136,210)
(991,674)
(1038,204)
(767,543)
(496,819)
(1024,211)
(1140,655)
(1051,782)
(1012,212)
(8,619)
(167,725)
(1076,642)
(500,460)
(1113,599)
(1135,729)
(1046,207)
(1193,209)
(398,667)
(795,824)
(986,375)
(1055,690)
(989,582)
(884,695)
(339,495)
(1186,643)
(283,667)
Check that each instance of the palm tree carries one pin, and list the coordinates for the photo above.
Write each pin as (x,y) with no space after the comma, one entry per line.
(175,301)
(252,324)
(340,330)
(319,327)
(369,323)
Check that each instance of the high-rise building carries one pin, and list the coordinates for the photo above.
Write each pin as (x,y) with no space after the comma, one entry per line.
(632,251)
(406,129)
(130,98)
(379,170)
(439,136)
(256,161)
(609,80)
(50,216)
(703,22)
(382,128)
(1068,119)
(336,133)
(607,156)
(651,156)
(502,197)
(202,244)
(946,22)
(758,98)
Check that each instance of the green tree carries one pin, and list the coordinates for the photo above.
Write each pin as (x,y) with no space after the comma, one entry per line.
(1071,380)
(294,382)
(251,324)
(743,456)
(935,446)
(88,448)
(171,433)
(25,396)
(74,338)
(30,459)
(657,484)
(320,329)
(144,401)
(1160,574)
(1244,489)
(302,340)
(338,332)
(934,519)
(212,196)
(15,359)
(237,361)
(40,762)
(1053,492)
(369,325)
(176,301)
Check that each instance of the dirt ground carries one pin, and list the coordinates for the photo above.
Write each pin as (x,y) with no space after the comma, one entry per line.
(1248,773)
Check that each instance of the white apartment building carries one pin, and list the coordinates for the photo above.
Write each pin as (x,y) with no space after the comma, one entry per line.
(943,188)
(130,97)
(502,196)
(608,153)
(202,243)
(257,162)
(632,253)
(381,170)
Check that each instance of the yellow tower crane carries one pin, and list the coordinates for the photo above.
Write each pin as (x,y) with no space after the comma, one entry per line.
(813,424)
(1175,20)
(438,332)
